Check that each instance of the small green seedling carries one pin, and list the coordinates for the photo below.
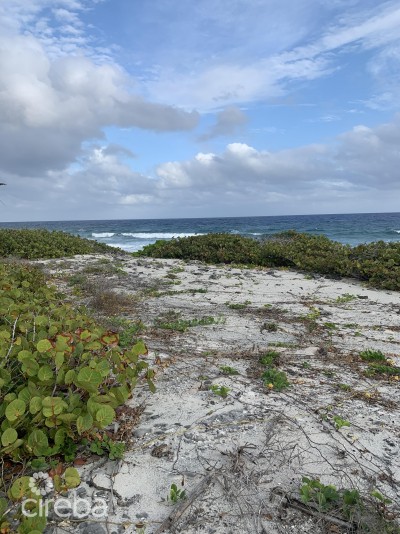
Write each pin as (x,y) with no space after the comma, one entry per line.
(346,297)
(176,494)
(339,422)
(114,450)
(221,391)
(227,370)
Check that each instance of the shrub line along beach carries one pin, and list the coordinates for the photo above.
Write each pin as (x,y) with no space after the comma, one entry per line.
(213,381)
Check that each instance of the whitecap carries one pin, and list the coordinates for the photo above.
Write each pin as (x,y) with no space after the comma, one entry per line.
(162,235)
(103,234)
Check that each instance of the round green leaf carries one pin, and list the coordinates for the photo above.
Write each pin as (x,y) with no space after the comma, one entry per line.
(53,406)
(15,409)
(72,478)
(8,437)
(38,442)
(69,377)
(84,423)
(35,405)
(19,488)
(44,345)
(60,436)
(45,373)
(88,379)
(59,359)
(105,416)
(30,367)
(24,354)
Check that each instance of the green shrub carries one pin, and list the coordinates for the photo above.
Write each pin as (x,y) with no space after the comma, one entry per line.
(275,379)
(61,375)
(61,378)
(377,263)
(40,243)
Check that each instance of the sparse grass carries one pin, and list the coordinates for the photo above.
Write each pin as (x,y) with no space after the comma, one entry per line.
(269,358)
(344,387)
(372,356)
(269,327)
(176,270)
(128,331)
(174,322)
(171,276)
(238,305)
(77,279)
(221,391)
(378,369)
(331,326)
(110,303)
(346,297)
(283,344)
(227,370)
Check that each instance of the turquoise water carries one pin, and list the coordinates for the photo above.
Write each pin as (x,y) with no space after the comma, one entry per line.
(132,235)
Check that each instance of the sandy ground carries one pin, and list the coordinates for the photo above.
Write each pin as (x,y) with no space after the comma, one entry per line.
(241,459)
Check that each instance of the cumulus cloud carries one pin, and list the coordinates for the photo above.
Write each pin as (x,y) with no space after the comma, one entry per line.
(363,160)
(358,168)
(51,103)
(228,121)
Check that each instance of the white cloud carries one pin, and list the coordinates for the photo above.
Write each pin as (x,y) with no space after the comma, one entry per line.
(357,169)
(228,121)
(233,78)
(49,106)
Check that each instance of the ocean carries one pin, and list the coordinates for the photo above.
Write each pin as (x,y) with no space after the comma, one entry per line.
(132,235)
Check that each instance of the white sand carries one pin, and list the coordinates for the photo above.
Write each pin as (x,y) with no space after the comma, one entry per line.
(256,439)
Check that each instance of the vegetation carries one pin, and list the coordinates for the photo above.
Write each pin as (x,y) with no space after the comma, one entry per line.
(221,391)
(61,379)
(228,370)
(272,377)
(376,263)
(172,321)
(176,494)
(372,356)
(364,513)
(35,244)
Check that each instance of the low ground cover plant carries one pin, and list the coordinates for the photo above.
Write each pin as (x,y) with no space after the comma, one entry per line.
(364,513)
(376,263)
(40,243)
(62,376)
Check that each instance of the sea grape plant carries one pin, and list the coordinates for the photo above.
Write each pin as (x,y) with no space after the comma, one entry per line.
(61,375)
(61,378)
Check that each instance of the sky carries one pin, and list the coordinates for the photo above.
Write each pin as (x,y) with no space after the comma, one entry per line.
(125,109)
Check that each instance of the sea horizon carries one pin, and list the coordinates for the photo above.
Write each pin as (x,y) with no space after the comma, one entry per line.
(133,234)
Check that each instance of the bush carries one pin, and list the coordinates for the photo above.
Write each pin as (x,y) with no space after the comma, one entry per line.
(61,377)
(377,263)
(35,244)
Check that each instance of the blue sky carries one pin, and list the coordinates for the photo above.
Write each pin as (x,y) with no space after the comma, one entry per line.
(128,109)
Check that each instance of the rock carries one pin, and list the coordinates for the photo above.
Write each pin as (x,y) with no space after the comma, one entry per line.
(140,432)
(101,481)
(91,528)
